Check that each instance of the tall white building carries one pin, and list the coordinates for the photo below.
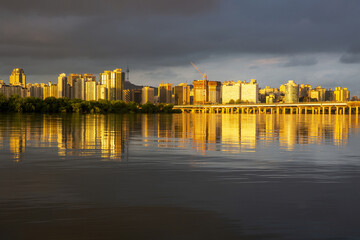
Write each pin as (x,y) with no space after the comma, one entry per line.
(250,91)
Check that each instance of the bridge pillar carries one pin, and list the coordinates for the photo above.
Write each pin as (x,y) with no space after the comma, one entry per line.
(329,111)
(337,110)
(312,110)
(349,110)
(323,110)
(357,110)
(343,111)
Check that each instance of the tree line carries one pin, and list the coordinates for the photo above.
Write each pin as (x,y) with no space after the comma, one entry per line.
(16,103)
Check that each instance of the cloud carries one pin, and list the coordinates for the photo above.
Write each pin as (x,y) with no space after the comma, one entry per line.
(350,58)
(92,35)
(300,61)
(103,7)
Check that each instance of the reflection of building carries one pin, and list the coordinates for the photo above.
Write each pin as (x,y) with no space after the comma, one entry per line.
(248,131)
(288,133)
(230,131)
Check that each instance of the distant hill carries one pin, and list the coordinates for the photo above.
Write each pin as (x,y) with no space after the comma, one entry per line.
(129,85)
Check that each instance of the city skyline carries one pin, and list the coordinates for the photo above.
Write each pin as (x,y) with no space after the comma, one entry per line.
(272,41)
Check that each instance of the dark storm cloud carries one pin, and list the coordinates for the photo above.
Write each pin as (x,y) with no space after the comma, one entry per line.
(300,61)
(159,33)
(350,58)
(113,7)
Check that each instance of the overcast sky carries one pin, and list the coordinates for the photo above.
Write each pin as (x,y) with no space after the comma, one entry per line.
(315,42)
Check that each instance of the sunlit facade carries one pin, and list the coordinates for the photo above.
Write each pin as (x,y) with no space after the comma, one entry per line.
(18,78)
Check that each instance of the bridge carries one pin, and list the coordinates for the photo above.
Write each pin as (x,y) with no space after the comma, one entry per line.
(276,108)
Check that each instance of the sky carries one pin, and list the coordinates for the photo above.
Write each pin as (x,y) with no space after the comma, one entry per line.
(314,42)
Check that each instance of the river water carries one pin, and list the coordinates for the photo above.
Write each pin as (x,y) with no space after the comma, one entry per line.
(179,176)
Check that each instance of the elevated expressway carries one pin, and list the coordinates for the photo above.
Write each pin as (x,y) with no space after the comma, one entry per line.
(277,108)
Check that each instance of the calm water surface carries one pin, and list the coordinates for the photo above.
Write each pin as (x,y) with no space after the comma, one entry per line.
(180,176)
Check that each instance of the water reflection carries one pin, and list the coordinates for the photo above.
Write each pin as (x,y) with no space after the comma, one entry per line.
(109,136)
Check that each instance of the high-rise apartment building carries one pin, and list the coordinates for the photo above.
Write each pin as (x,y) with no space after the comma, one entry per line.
(318,93)
(126,96)
(9,90)
(201,94)
(90,90)
(250,91)
(329,95)
(341,94)
(147,95)
(182,94)
(46,90)
(53,90)
(231,91)
(136,95)
(165,92)
(114,81)
(101,92)
(18,77)
(214,89)
(63,86)
(291,92)
(35,90)
(79,88)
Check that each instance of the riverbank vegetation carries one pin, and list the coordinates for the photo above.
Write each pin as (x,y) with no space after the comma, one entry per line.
(66,105)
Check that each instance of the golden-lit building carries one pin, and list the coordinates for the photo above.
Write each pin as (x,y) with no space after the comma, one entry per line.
(9,91)
(214,89)
(341,94)
(318,93)
(126,95)
(250,91)
(18,77)
(231,91)
(71,77)
(147,95)
(114,82)
(78,88)
(165,92)
(63,86)
(329,95)
(304,90)
(201,94)
(101,92)
(90,90)
(291,92)
(182,94)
